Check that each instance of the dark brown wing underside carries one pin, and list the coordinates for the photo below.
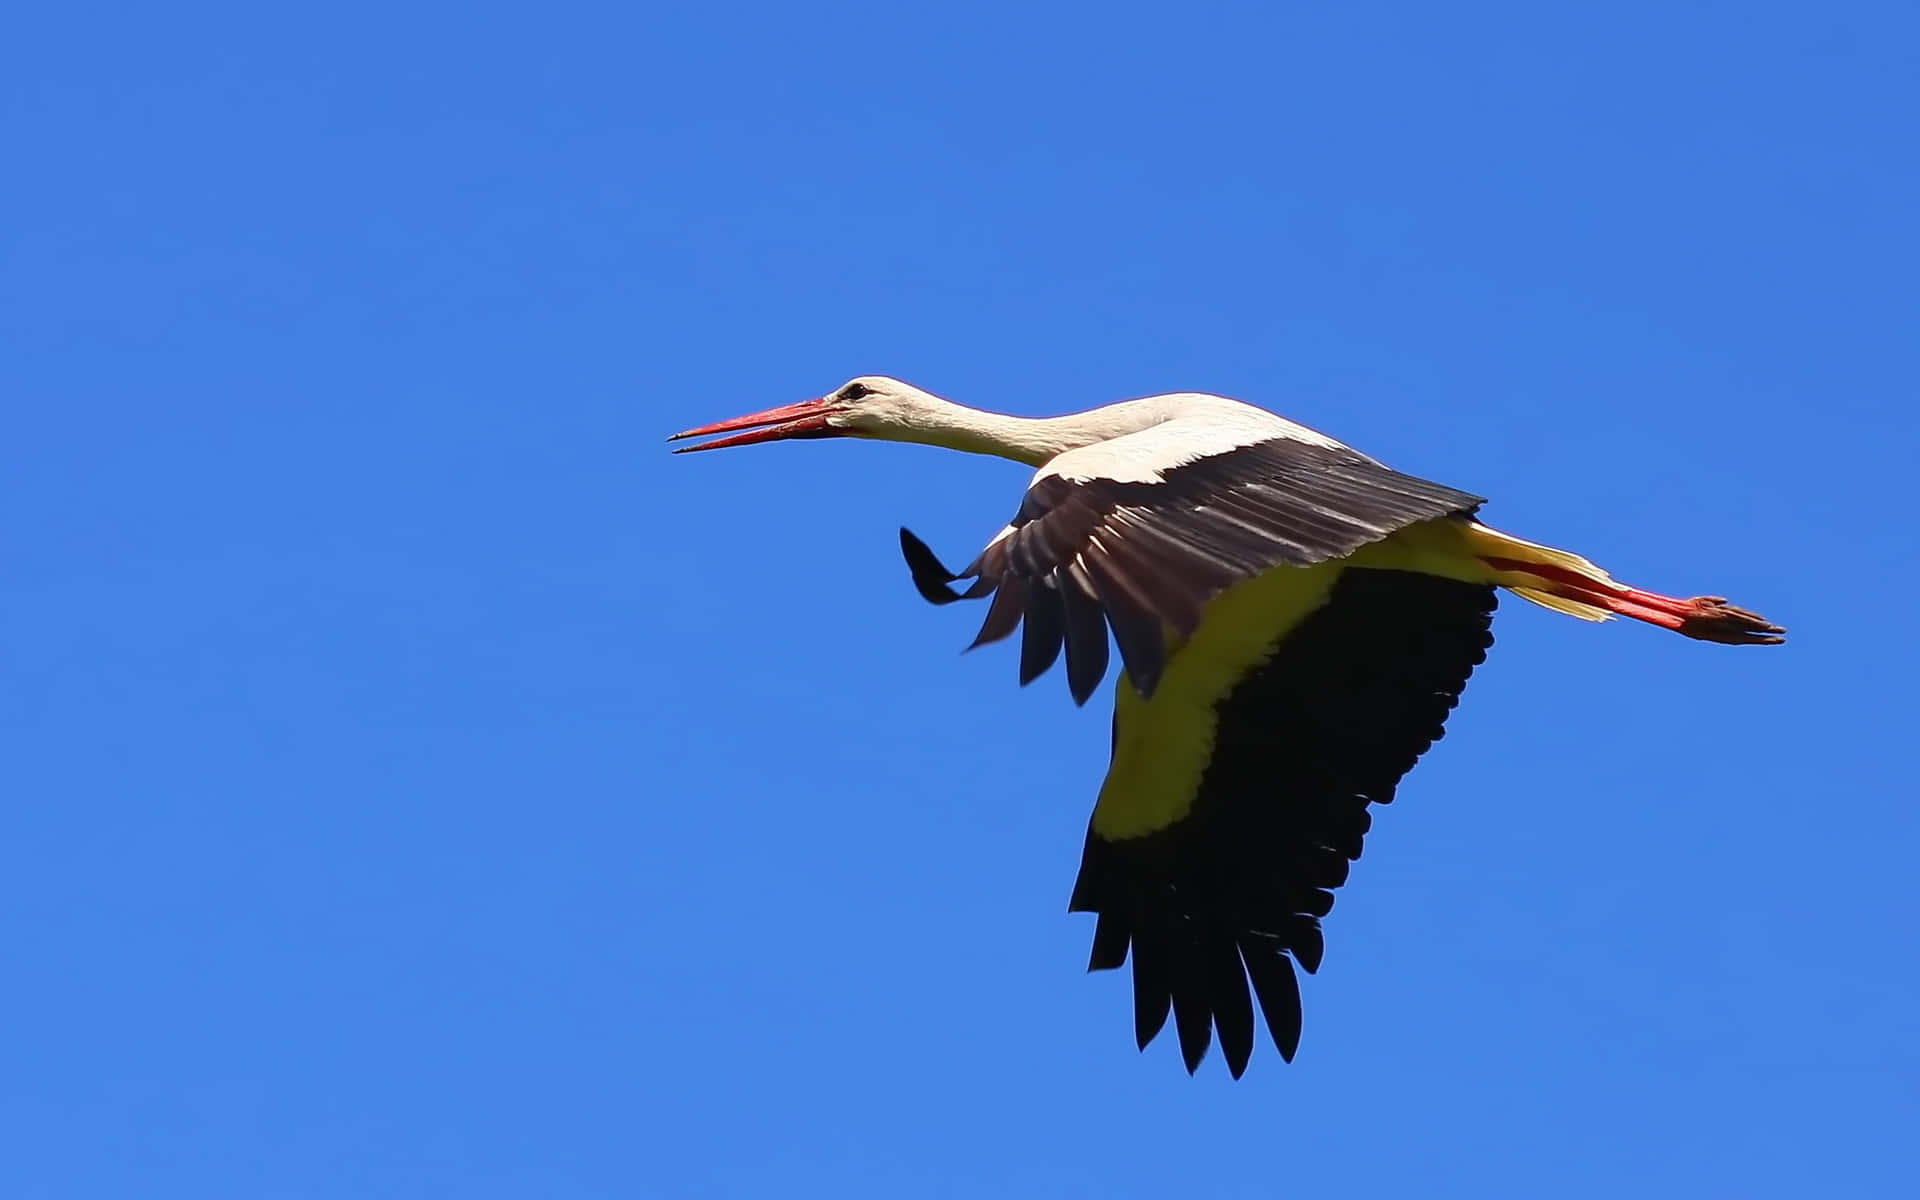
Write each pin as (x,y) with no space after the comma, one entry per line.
(1234,893)
(1086,556)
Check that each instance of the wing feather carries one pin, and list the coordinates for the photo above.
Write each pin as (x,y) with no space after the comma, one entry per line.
(1147,557)
(1086,634)
(1043,632)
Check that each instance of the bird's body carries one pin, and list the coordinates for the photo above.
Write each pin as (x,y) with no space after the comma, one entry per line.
(1295,620)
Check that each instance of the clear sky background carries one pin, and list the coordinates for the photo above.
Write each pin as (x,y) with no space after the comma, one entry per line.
(417,783)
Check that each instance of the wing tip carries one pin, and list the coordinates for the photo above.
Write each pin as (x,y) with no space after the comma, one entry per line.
(931,578)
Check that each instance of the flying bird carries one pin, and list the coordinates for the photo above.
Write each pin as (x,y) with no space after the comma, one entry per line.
(1295,620)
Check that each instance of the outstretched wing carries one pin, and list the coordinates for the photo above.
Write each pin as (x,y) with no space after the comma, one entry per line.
(1212,870)
(1143,551)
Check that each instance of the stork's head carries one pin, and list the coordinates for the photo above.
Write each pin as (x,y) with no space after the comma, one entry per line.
(874,406)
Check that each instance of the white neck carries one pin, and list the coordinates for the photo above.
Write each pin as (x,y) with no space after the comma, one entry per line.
(1030,440)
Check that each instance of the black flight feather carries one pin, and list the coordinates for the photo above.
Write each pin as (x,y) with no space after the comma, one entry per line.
(1192,1003)
(1110,939)
(1278,990)
(1086,640)
(1151,999)
(1232,1008)
(1041,635)
(930,576)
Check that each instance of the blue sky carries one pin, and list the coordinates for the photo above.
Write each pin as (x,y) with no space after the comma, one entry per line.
(419,783)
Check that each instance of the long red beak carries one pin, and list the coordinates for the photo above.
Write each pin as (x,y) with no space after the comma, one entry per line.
(807,419)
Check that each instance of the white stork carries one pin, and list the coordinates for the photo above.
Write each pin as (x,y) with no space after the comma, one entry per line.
(1295,621)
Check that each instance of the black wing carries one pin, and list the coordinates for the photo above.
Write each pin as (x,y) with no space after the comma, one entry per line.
(1234,891)
(1084,555)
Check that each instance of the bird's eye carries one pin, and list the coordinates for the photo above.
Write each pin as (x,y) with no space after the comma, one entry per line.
(854,391)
